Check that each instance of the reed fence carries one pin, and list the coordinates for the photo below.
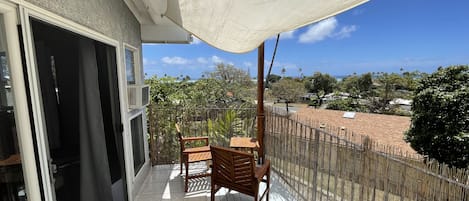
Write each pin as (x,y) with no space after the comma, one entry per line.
(319,165)
(219,124)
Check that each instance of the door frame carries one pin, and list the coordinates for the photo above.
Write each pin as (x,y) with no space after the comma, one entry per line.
(27,11)
(25,138)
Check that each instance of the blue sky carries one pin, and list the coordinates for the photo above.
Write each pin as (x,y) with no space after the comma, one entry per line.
(379,36)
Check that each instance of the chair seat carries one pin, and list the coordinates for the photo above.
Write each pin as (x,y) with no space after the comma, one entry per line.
(192,155)
(203,156)
(196,149)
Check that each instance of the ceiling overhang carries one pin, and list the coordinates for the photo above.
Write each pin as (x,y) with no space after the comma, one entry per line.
(154,26)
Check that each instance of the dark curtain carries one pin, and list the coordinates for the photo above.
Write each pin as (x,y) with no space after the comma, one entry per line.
(108,85)
(95,183)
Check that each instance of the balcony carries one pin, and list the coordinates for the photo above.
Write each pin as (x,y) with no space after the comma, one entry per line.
(165,183)
(308,162)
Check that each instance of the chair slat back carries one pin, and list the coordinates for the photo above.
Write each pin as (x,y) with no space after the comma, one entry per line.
(233,169)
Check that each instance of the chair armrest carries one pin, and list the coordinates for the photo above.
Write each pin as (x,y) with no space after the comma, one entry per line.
(263,170)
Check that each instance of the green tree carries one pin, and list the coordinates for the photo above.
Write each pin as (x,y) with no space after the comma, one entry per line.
(440,122)
(347,104)
(320,84)
(288,89)
(230,74)
(234,81)
(165,91)
(273,78)
(357,85)
(385,91)
(410,80)
(387,86)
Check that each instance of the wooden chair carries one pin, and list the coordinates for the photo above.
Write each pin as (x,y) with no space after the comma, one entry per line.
(237,171)
(192,155)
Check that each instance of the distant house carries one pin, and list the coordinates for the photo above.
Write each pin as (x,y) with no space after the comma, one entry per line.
(400,101)
(307,96)
(404,104)
(335,96)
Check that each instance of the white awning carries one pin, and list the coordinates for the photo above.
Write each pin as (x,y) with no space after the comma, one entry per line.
(242,25)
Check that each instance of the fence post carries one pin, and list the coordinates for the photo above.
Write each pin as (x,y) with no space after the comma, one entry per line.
(365,160)
(315,162)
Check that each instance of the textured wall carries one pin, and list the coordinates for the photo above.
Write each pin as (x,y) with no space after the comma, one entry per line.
(109,17)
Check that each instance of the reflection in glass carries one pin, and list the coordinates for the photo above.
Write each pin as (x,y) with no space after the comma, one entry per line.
(136,126)
(130,66)
(11,175)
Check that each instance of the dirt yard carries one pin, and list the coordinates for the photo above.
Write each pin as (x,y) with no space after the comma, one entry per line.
(384,129)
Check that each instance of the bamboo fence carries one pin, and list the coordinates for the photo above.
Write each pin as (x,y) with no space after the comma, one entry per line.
(319,165)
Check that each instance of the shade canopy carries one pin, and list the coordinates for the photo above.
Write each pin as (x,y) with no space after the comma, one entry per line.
(242,25)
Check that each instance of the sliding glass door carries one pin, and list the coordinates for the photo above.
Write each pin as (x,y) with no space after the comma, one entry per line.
(12,187)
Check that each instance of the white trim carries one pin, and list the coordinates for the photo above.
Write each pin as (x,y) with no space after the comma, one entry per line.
(140,113)
(139,178)
(30,10)
(25,141)
(36,106)
(124,118)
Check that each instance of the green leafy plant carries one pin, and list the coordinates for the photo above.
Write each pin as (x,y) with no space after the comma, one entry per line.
(440,120)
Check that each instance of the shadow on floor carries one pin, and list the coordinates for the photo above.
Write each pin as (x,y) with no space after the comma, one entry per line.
(165,183)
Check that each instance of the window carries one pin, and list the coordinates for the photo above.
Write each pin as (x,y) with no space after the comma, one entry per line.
(136,128)
(130,66)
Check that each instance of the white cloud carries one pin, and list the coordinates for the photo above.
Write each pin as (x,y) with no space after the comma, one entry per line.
(216,59)
(326,29)
(195,40)
(247,64)
(284,35)
(174,60)
(287,35)
(149,62)
(345,32)
(319,31)
(202,60)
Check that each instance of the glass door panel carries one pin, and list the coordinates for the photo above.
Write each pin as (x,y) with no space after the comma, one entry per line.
(12,186)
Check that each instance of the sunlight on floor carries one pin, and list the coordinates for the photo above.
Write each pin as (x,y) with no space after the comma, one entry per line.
(165,183)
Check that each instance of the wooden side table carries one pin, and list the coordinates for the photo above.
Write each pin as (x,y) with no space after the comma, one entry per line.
(244,142)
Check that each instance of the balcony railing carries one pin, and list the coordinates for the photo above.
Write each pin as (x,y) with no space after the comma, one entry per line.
(220,124)
(318,163)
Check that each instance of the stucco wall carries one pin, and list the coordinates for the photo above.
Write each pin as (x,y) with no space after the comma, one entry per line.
(109,17)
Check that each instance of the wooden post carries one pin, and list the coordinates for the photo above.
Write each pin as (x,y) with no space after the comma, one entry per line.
(260,102)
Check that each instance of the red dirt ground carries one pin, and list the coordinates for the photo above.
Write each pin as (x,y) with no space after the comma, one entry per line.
(384,129)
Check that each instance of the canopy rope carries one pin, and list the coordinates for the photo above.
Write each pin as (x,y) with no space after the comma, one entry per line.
(271,63)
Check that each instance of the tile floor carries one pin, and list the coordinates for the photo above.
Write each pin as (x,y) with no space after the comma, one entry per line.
(165,183)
